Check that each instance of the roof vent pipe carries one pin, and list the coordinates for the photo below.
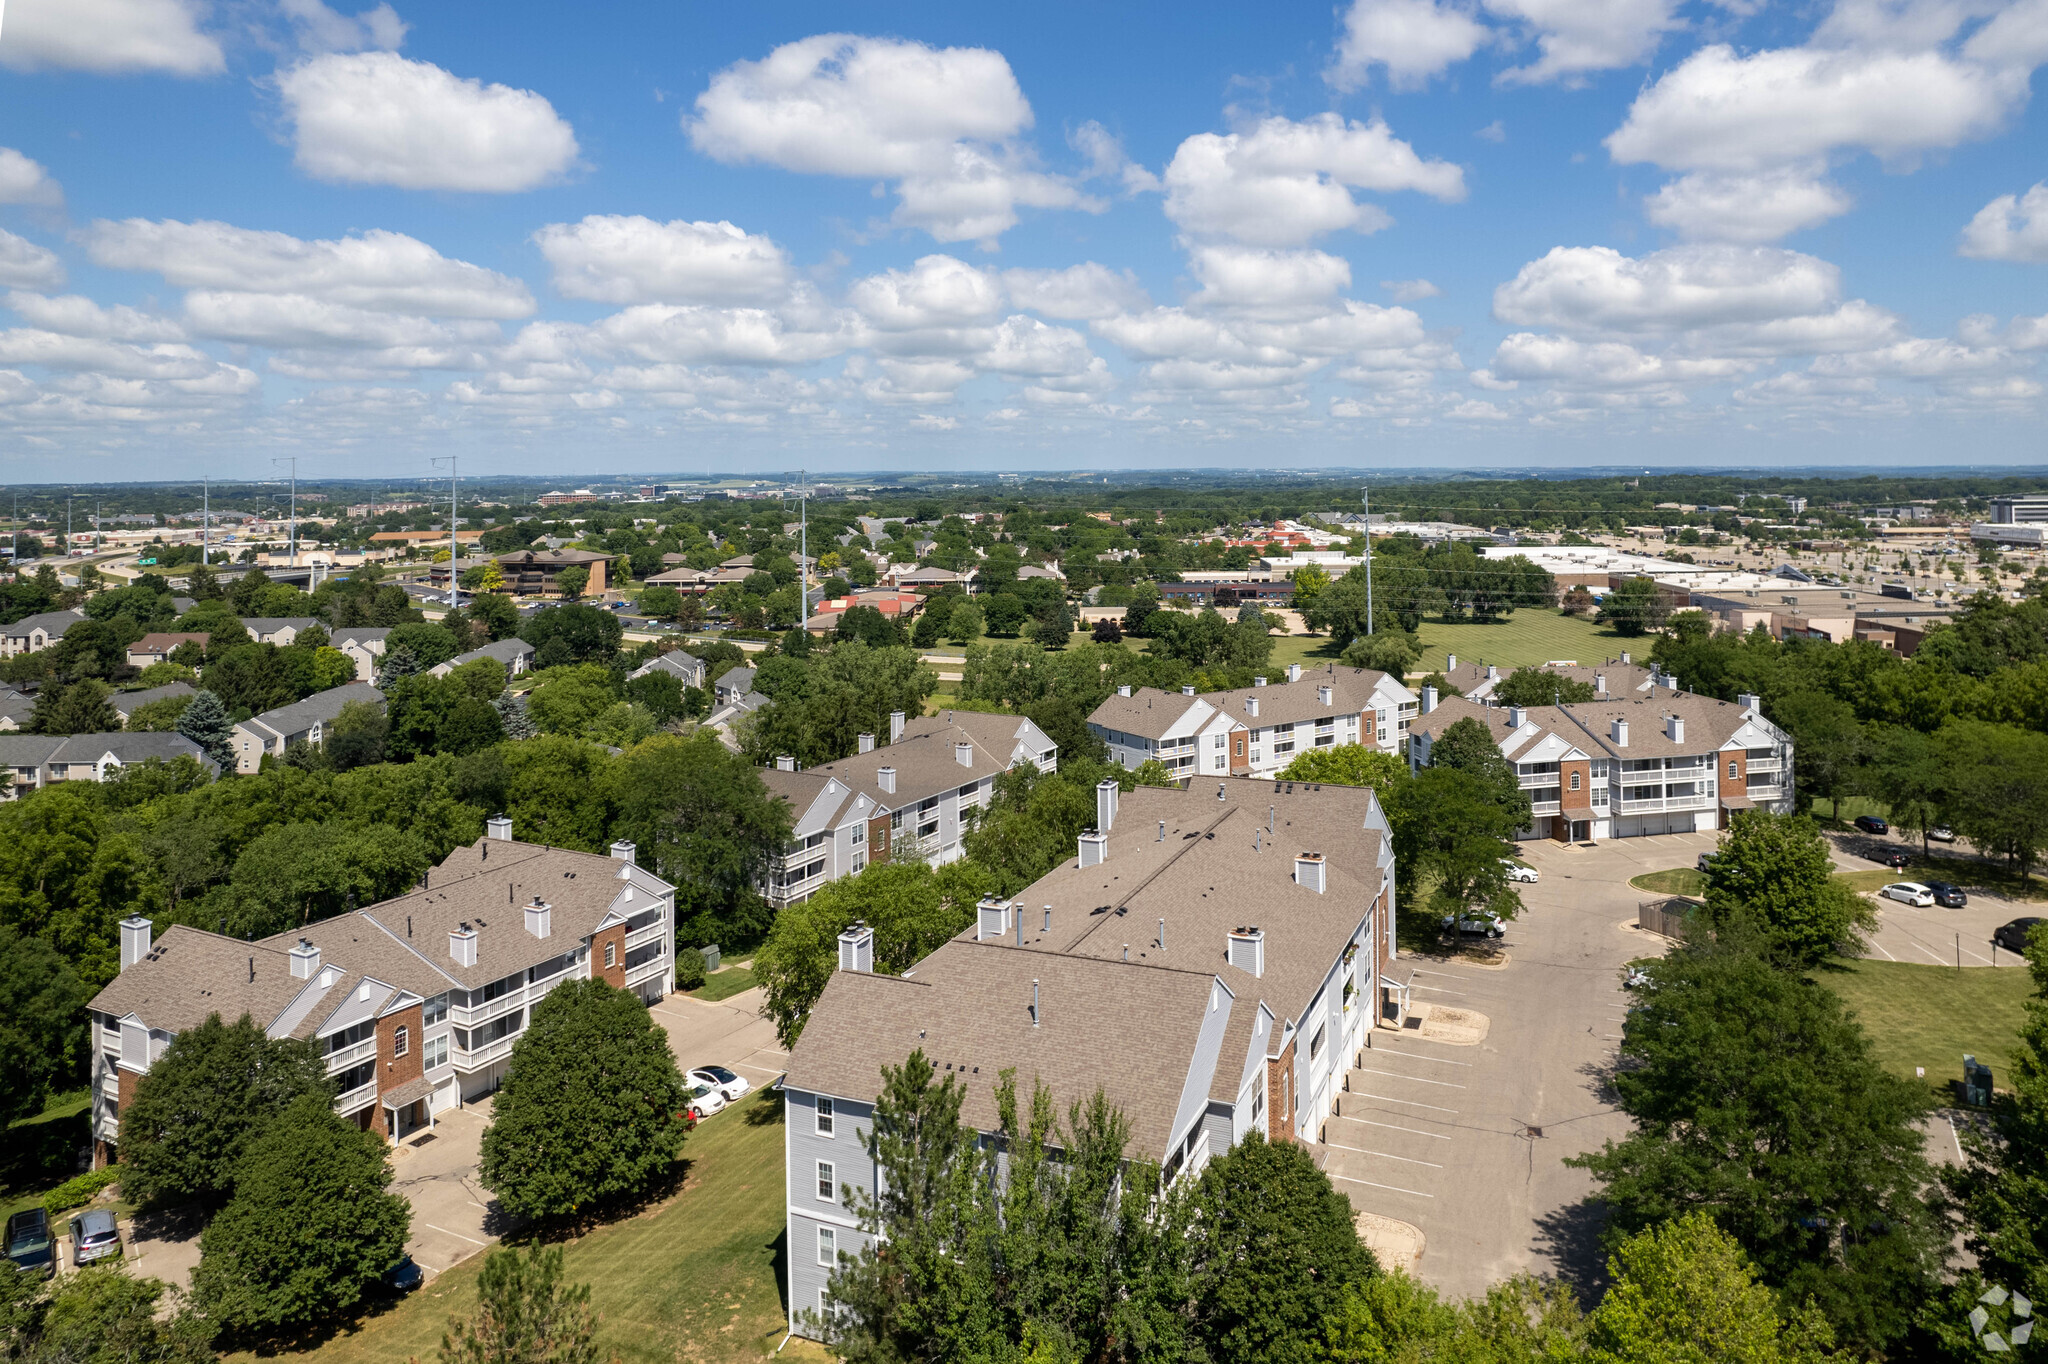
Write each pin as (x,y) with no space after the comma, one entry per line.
(1034,1004)
(1219,791)
(1162,832)
(1162,935)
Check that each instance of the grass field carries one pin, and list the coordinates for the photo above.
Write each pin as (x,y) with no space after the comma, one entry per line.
(1527,637)
(39,1152)
(695,1278)
(1931,1015)
(1676,881)
(724,984)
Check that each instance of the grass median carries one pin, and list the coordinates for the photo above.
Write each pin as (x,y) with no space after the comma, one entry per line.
(1929,1016)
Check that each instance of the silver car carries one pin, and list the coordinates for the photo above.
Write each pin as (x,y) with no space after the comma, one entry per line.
(94,1237)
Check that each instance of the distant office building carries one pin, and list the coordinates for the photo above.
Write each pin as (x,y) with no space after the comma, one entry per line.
(2024,509)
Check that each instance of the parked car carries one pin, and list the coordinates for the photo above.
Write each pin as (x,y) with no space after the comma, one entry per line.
(404,1276)
(2013,936)
(704,1100)
(1706,862)
(94,1237)
(29,1243)
(1941,833)
(1475,925)
(729,1085)
(1948,895)
(1897,861)
(1518,872)
(1871,824)
(1908,893)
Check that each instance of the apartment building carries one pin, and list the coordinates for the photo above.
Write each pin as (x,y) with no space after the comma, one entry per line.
(685,667)
(29,762)
(1476,679)
(1210,960)
(1255,730)
(278,630)
(126,703)
(364,645)
(1667,762)
(515,653)
(414,1002)
(276,730)
(31,634)
(157,647)
(911,798)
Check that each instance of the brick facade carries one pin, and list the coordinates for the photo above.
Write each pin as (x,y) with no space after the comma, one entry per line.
(613,938)
(394,1070)
(1280,1095)
(1573,805)
(878,839)
(1735,785)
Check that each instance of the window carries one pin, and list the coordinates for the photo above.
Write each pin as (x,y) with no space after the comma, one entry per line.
(860,834)
(826,1184)
(434,1010)
(1220,741)
(824,1116)
(437,1051)
(1315,1044)
(828,1246)
(1733,770)
(401,1041)
(611,955)
(1575,781)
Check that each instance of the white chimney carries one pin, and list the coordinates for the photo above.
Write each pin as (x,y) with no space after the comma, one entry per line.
(462,945)
(867,743)
(1188,689)
(622,851)
(895,725)
(885,777)
(1450,664)
(1516,717)
(1600,684)
(540,918)
(1428,699)
(857,947)
(134,940)
(1674,728)
(305,960)
(1246,950)
(1493,672)
(993,919)
(785,763)
(963,753)
(1751,703)
(1310,870)
(1258,681)
(1106,792)
(1094,848)
(1326,695)
(1124,690)
(1251,706)
(1619,732)
(499,827)
(1294,672)
(1624,656)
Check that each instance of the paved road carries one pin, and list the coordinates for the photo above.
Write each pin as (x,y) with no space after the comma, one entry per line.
(1468,1143)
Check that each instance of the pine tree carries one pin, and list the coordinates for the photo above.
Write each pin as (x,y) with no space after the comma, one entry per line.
(512,715)
(205,722)
(525,1312)
(398,665)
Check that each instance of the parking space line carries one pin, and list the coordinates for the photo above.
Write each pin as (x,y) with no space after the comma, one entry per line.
(1440,1060)
(1340,1146)
(1412,1079)
(1396,1127)
(1388,1098)
(1392,1188)
(456,1234)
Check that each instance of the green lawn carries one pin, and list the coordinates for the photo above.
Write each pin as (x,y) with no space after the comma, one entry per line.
(1527,637)
(724,984)
(1931,1015)
(1676,881)
(695,1278)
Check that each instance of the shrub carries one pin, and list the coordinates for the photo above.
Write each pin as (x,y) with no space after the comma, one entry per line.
(76,1193)
(689,969)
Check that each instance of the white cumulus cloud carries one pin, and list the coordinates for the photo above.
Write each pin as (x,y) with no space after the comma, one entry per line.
(1761,207)
(77,315)
(24,265)
(24,181)
(1081,292)
(378,118)
(1596,289)
(936,292)
(1262,280)
(1413,39)
(2010,227)
(942,123)
(321,29)
(613,258)
(1576,37)
(109,37)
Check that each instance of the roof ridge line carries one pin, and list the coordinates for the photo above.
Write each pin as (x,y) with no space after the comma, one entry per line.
(425,960)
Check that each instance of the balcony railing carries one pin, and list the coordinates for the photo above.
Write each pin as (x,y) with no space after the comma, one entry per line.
(649,934)
(338,1061)
(647,970)
(1760,792)
(362,1096)
(1545,807)
(1671,803)
(1766,764)
(484,1055)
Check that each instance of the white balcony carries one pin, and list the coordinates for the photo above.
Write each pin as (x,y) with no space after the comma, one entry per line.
(1764,793)
(109,1128)
(1669,803)
(1545,807)
(482,1056)
(362,1096)
(338,1061)
(651,933)
(647,970)
(1766,765)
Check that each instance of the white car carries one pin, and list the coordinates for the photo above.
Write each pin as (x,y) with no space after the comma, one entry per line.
(1908,892)
(732,1087)
(1518,872)
(703,1101)
(1941,834)
(1475,925)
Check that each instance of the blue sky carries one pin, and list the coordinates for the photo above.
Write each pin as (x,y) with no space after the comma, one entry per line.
(750,237)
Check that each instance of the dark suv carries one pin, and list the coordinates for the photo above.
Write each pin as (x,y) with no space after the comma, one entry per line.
(29,1243)
(1947,894)
(1871,824)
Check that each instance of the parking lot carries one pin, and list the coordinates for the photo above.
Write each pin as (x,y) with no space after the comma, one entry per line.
(1931,935)
(1467,1143)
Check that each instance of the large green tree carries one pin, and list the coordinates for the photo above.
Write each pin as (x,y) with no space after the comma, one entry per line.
(592,1105)
(103,1315)
(81,708)
(215,1089)
(41,1013)
(1757,1101)
(1777,872)
(293,874)
(1349,765)
(1469,746)
(1828,740)
(1541,687)
(311,1228)
(1635,608)
(205,722)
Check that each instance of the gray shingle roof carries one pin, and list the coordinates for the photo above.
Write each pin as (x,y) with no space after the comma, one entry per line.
(190,973)
(126,703)
(52,623)
(319,707)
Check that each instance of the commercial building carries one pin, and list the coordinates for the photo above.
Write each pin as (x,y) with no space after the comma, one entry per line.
(910,798)
(1668,762)
(1258,729)
(276,730)
(530,572)
(1210,962)
(2023,509)
(414,1002)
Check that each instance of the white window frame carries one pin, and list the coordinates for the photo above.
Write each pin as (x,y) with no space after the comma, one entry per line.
(828,1181)
(828,1246)
(401,1041)
(823,1117)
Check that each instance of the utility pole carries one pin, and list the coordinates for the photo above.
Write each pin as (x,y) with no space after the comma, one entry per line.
(206,523)
(67,525)
(1368,558)
(292,543)
(803,544)
(454,587)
